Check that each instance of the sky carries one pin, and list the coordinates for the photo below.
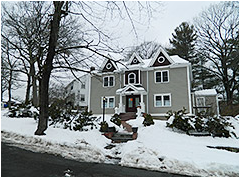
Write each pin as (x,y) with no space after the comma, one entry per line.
(173,13)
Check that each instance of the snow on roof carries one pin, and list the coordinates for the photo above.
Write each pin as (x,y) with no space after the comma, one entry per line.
(206,92)
(177,59)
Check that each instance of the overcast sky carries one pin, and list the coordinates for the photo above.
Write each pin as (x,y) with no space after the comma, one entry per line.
(172,15)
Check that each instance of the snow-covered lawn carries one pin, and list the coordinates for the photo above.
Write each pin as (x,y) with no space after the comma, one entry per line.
(156,148)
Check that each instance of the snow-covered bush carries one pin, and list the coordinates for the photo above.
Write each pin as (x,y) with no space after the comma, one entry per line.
(116,119)
(104,126)
(23,110)
(216,126)
(148,120)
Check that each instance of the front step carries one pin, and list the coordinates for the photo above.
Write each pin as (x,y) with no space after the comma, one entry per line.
(122,137)
(127,116)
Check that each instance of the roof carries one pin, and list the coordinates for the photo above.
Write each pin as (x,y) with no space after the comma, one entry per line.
(174,60)
(206,92)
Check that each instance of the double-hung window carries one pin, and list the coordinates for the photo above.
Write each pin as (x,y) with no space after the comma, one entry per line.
(161,76)
(109,102)
(82,97)
(108,81)
(162,100)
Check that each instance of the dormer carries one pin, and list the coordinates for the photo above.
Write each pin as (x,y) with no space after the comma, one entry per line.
(108,66)
(135,60)
(161,58)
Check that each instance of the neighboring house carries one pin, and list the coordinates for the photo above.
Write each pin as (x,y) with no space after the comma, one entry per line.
(206,101)
(76,93)
(155,85)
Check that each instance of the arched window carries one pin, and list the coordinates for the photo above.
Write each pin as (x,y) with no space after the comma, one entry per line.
(132,78)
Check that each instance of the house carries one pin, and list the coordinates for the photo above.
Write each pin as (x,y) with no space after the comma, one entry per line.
(152,86)
(76,92)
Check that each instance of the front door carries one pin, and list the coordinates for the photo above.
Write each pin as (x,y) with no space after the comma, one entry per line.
(132,101)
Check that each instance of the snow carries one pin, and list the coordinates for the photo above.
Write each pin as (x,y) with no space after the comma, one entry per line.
(156,148)
(177,59)
(206,92)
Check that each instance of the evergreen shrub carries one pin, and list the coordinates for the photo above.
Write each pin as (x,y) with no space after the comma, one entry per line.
(148,120)
(215,126)
(116,119)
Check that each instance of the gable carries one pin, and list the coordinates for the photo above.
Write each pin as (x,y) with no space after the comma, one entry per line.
(161,60)
(134,60)
(109,66)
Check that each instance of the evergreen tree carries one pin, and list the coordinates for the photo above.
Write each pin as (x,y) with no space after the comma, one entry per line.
(183,45)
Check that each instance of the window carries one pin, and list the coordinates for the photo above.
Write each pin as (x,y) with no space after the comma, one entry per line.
(132,78)
(162,100)
(108,81)
(83,85)
(162,76)
(109,102)
(82,97)
(71,87)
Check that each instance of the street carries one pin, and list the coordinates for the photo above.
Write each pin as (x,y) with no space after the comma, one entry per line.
(19,162)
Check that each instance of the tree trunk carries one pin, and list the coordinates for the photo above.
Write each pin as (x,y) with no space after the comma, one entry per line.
(47,68)
(10,90)
(34,89)
(28,89)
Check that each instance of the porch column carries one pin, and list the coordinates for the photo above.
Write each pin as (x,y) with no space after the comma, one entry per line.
(121,104)
(142,102)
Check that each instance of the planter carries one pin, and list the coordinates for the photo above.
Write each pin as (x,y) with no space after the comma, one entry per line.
(111,129)
(134,129)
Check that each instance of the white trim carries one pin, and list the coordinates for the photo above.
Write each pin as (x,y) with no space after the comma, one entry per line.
(161,71)
(108,97)
(157,54)
(109,66)
(135,55)
(89,94)
(160,114)
(147,91)
(108,81)
(161,57)
(189,90)
(217,100)
(132,78)
(162,97)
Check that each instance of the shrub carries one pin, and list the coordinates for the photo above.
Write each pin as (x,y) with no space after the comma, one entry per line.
(215,126)
(116,119)
(22,110)
(84,121)
(148,120)
(104,126)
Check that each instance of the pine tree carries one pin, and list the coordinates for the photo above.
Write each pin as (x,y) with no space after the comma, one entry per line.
(183,45)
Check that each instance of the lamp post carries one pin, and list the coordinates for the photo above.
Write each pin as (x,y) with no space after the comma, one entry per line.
(104,99)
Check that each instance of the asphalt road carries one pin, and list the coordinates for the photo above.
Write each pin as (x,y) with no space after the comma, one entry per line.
(17,162)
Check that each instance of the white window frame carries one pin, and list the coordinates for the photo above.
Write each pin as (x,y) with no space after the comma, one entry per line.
(108,98)
(161,73)
(202,98)
(108,81)
(134,78)
(162,98)
(83,84)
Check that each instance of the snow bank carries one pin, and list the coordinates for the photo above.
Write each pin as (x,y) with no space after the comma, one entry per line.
(156,148)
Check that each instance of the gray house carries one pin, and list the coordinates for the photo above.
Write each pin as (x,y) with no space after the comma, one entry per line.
(152,86)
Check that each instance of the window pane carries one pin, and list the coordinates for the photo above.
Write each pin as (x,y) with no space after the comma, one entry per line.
(131,78)
(106,81)
(111,102)
(130,102)
(158,76)
(111,81)
(82,97)
(158,101)
(137,102)
(165,76)
(166,100)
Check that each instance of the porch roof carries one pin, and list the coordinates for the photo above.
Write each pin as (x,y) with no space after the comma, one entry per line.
(131,89)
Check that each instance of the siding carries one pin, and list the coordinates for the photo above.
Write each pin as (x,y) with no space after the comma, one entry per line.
(177,86)
(98,91)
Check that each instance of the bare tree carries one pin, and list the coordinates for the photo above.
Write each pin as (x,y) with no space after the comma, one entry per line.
(217,36)
(88,43)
